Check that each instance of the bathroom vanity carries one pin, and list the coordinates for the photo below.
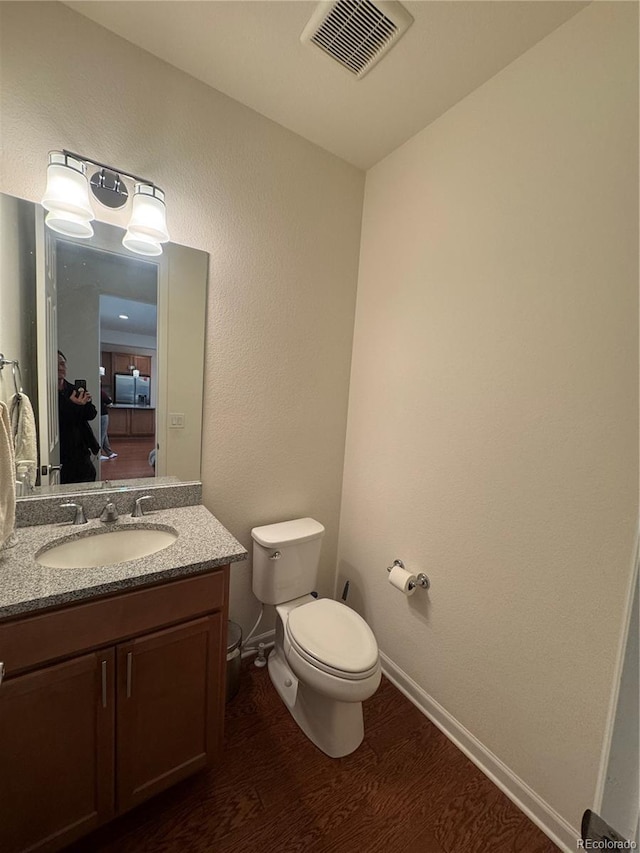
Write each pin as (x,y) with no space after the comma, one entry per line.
(113,685)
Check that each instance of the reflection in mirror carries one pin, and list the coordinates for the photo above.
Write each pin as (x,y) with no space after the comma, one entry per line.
(107,329)
(59,293)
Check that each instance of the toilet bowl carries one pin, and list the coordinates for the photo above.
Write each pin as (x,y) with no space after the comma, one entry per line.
(331,648)
(325,662)
(324,665)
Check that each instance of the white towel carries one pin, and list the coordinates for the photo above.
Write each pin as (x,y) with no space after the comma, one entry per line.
(23,430)
(7,478)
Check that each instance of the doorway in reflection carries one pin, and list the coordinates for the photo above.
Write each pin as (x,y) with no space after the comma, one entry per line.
(128,393)
(107,319)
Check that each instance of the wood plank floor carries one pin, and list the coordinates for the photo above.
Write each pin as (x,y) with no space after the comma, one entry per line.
(132,459)
(407,789)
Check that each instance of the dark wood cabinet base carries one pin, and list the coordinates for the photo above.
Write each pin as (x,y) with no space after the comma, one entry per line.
(88,733)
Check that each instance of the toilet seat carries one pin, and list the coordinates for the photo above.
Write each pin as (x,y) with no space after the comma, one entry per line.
(333,638)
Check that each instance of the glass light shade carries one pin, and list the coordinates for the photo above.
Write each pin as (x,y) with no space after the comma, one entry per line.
(68,224)
(148,213)
(141,244)
(67,189)
(135,372)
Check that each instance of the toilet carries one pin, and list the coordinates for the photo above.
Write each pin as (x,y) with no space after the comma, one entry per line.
(325,662)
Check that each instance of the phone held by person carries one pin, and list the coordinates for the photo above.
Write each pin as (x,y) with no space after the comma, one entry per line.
(80,384)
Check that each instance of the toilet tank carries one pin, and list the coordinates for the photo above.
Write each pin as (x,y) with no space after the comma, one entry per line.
(285,559)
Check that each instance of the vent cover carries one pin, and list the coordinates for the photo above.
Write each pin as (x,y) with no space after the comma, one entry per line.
(357,33)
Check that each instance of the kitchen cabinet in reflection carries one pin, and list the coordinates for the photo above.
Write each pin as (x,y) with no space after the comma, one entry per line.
(128,421)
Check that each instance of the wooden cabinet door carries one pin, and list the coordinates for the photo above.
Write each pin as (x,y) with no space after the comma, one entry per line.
(107,379)
(170,707)
(56,753)
(143,421)
(119,422)
(143,363)
(122,362)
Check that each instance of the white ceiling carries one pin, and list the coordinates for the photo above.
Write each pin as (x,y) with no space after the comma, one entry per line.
(142,317)
(251,51)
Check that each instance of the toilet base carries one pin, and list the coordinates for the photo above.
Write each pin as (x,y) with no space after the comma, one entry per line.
(336,728)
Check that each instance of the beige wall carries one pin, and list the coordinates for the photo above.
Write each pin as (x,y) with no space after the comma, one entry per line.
(17,305)
(280,219)
(493,414)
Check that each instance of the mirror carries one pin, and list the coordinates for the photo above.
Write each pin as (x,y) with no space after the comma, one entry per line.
(144,373)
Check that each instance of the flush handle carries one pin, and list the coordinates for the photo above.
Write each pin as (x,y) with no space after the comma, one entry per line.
(275,556)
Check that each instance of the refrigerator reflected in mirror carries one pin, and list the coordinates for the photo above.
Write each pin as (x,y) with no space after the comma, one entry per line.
(132,390)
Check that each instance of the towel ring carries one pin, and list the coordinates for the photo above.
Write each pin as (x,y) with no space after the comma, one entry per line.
(15,367)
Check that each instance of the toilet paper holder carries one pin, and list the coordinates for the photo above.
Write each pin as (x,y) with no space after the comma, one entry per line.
(421,579)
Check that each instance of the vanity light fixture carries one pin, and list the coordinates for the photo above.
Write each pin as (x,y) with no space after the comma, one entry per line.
(66,197)
(69,207)
(148,224)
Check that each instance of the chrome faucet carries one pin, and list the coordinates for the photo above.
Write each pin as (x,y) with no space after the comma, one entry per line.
(80,517)
(138,511)
(109,513)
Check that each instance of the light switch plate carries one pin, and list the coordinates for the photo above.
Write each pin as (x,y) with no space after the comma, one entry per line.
(176,420)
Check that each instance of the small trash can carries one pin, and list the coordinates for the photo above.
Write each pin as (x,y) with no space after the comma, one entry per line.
(234,641)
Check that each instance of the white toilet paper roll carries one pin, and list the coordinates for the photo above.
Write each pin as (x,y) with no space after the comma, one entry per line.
(403,580)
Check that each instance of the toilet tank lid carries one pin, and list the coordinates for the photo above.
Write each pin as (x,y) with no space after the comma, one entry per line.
(287,532)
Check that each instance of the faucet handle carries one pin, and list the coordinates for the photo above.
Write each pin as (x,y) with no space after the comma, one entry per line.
(109,513)
(80,517)
(138,511)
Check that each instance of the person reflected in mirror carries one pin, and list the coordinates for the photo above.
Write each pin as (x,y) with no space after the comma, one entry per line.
(77,441)
(106,451)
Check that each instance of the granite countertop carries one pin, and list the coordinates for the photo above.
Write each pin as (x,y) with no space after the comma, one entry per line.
(26,587)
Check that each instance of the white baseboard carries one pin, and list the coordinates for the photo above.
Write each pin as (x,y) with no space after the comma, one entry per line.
(550,822)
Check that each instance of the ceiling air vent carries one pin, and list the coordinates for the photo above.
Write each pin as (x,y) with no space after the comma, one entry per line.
(357,33)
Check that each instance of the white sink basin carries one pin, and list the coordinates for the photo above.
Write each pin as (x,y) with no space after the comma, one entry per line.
(106,547)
